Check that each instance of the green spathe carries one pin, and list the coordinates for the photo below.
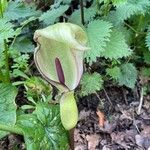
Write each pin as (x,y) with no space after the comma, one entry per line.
(64,41)
(59,58)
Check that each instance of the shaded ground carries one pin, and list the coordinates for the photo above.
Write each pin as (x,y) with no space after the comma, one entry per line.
(125,127)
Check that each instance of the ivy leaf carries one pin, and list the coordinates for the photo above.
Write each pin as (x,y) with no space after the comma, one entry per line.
(18,9)
(89,14)
(6,30)
(51,15)
(7,106)
(128,75)
(91,83)
(43,128)
(116,47)
(148,39)
(98,33)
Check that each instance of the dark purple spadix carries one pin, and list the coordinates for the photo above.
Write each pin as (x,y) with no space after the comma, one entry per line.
(59,70)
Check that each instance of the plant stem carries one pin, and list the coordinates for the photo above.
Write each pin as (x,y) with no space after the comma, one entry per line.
(10,129)
(71,138)
(1,76)
(6,61)
(1,9)
(82,11)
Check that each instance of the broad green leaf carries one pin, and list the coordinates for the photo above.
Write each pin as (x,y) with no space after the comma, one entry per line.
(19,9)
(89,14)
(59,58)
(51,15)
(23,44)
(146,57)
(91,83)
(114,72)
(116,47)
(98,32)
(128,75)
(128,9)
(6,30)
(145,71)
(7,106)
(43,129)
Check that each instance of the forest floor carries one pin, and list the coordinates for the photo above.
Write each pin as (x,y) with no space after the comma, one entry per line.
(126,125)
(123,123)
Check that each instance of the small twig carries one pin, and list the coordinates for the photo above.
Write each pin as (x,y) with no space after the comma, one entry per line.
(125,98)
(107,96)
(141,102)
(97,96)
(137,32)
(82,11)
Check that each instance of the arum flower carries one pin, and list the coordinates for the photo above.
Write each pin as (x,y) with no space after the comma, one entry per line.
(59,58)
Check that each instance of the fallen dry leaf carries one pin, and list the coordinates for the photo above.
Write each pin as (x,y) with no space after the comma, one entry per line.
(93,141)
(101,118)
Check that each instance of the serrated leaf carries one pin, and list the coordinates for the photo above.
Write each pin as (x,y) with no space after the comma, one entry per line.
(148,39)
(116,47)
(114,72)
(51,15)
(6,30)
(43,128)
(91,83)
(128,75)
(98,33)
(146,57)
(18,9)
(126,10)
(66,1)
(89,14)
(145,71)
(7,106)
(23,44)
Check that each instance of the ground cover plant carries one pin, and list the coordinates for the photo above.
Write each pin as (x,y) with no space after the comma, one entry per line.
(56,55)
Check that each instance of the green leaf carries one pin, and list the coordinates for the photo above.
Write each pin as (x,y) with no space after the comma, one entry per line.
(18,9)
(126,10)
(43,129)
(98,33)
(146,57)
(114,72)
(145,72)
(89,14)
(66,1)
(128,75)
(148,39)
(7,106)
(6,30)
(116,47)
(91,83)
(23,44)
(118,2)
(51,15)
